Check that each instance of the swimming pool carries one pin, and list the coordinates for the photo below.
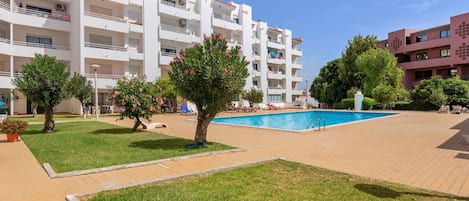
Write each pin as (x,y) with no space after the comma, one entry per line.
(299,121)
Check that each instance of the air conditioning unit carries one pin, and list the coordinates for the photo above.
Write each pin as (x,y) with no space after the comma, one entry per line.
(182,2)
(182,22)
(60,7)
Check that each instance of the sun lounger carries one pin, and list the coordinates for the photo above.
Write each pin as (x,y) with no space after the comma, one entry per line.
(457,109)
(185,110)
(444,109)
(153,125)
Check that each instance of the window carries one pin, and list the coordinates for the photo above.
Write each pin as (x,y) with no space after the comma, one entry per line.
(274,98)
(445,52)
(445,33)
(421,38)
(2,66)
(134,17)
(3,34)
(422,56)
(39,40)
(134,43)
(421,75)
(254,82)
(99,39)
(134,70)
(34,8)
(254,66)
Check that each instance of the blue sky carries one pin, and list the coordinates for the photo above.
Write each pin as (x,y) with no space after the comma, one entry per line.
(326,26)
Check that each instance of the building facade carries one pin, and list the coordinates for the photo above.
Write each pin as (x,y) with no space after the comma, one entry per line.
(138,37)
(442,50)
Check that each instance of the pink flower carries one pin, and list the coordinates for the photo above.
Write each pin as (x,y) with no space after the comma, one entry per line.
(224,70)
(192,72)
(232,67)
(206,38)
(122,103)
(171,63)
(239,47)
(215,47)
(116,92)
(139,104)
(186,71)
(228,55)
(132,97)
(114,95)
(143,111)
(218,36)
(197,44)
(248,62)
(152,108)
(181,57)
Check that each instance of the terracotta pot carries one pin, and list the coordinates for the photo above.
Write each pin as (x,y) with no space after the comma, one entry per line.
(12,137)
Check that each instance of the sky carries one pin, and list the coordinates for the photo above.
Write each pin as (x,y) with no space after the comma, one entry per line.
(327,26)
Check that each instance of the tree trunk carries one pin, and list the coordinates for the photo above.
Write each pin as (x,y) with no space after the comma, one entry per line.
(203,120)
(49,122)
(85,110)
(137,124)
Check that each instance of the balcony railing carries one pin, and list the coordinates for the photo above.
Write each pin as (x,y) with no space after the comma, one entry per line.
(4,40)
(106,17)
(17,74)
(169,3)
(104,76)
(276,41)
(174,29)
(103,46)
(168,54)
(4,74)
(226,18)
(39,45)
(54,16)
(4,5)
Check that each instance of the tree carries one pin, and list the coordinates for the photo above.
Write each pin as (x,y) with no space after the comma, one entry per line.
(349,73)
(81,89)
(384,95)
(44,81)
(456,90)
(253,96)
(380,68)
(326,87)
(166,87)
(209,75)
(427,94)
(136,99)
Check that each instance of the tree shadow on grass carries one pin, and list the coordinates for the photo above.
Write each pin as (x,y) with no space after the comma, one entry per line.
(115,131)
(39,131)
(165,144)
(384,192)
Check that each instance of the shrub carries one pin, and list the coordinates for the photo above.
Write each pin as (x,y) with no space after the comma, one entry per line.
(349,103)
(13,126)
(368,103)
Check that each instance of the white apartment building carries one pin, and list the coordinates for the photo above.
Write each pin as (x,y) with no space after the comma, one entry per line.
(138,37)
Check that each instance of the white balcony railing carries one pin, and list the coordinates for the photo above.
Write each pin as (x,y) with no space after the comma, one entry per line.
(4,5)
(4,40)
(168,54)
(104,76)
(225,18)
(4,74)
(169,3)
(174,29)
(39,45)
(106,17)
(103,46)
(55,16)
(17,74)
(275,41)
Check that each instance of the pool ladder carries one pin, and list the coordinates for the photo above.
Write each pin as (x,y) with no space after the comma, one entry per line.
(319,121)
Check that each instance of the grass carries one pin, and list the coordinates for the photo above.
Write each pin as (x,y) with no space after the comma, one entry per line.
(86,145)
(278,180)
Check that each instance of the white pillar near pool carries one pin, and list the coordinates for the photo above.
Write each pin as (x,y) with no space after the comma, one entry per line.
(358,101)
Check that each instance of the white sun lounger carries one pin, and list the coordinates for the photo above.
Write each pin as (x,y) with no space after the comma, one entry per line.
(153,125)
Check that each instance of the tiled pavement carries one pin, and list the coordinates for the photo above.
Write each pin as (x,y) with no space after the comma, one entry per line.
(416,148)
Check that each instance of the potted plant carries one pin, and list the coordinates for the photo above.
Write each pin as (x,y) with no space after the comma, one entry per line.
(13,128)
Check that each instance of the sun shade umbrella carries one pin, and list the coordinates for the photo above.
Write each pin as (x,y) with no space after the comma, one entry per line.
(2,103)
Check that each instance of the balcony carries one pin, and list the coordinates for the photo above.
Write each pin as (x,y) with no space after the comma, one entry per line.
(27,49)
(297,78)
(275,60)
(276,44)
(179,34)
(297,92)
(297,65)
(4,6)
(275,75)
(223,21)
(34,18)
(428,63)
(104,80)
(256,73)
(36,13)
(173,9)
(167,57)
(297,52)
(106,52)
(106,22)
(275,90)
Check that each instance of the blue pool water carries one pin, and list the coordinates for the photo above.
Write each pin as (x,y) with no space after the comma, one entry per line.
(299,121)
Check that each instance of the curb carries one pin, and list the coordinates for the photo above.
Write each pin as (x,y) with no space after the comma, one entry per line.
(74,197)
(52,174)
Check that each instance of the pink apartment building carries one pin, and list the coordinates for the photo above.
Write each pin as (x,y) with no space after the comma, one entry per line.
(442,50)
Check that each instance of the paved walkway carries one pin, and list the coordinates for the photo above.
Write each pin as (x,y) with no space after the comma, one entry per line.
(417,148)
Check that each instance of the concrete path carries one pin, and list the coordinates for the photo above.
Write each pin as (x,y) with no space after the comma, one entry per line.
(417,148)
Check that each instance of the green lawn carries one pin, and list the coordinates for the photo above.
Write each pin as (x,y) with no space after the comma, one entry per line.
(57,117)
(278,180)
(86,145)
